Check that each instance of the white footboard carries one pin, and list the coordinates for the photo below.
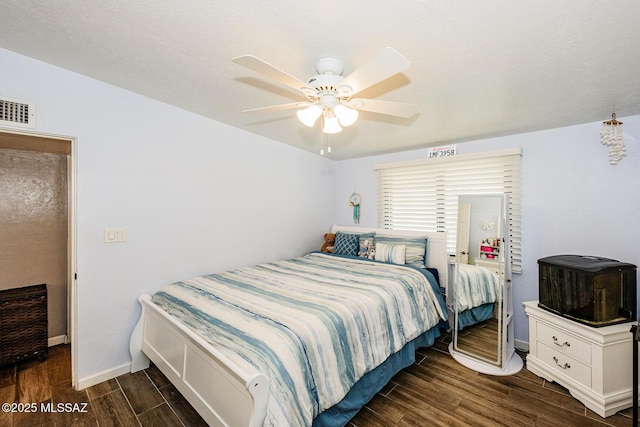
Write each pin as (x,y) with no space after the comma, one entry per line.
(221,392)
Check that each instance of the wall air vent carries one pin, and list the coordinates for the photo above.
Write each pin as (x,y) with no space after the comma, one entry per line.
(14,112)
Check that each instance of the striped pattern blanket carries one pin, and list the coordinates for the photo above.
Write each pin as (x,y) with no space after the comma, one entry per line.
(475,286)
(314,325)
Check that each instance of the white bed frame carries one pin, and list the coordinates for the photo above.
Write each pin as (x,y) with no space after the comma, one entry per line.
(221,391)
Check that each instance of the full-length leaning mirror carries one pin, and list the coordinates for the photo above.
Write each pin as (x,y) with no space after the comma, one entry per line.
(482,306)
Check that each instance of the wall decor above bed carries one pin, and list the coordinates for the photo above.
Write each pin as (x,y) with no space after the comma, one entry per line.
(354,200)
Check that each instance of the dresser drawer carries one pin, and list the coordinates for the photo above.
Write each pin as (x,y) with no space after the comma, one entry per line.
(564,342)
(564,364)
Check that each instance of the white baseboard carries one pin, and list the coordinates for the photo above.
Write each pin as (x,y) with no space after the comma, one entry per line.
(96,378)
(521,345)
(60,339)
(103,376)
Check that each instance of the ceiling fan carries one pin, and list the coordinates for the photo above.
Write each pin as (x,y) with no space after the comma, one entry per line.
(330,96)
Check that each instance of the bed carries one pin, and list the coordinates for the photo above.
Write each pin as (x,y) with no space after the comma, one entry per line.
(301,377)
(476,291)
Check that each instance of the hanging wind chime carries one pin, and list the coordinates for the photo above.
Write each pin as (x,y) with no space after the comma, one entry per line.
(611,136)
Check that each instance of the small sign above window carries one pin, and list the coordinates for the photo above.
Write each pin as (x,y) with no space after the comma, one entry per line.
(442,151)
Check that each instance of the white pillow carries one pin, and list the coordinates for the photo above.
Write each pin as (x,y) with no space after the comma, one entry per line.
(390,253)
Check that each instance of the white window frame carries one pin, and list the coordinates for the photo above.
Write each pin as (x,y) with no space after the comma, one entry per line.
(423,194)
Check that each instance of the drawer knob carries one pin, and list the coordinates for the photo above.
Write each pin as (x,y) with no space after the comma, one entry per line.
(565,366)
(564,344)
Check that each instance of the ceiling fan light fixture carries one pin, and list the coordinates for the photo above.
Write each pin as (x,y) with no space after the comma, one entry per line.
(347,116)
(331,124)
(309,115)
(329,94)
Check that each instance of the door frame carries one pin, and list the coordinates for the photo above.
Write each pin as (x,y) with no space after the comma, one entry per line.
(30,143)
(464,224)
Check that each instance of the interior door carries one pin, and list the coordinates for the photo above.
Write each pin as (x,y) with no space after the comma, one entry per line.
(35,221)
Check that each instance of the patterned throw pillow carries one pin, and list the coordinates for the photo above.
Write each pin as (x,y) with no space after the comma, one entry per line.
(393,254)
(416,252)
(347,244)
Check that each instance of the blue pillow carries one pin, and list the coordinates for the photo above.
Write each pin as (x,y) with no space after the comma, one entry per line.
(366,236)
(346,244)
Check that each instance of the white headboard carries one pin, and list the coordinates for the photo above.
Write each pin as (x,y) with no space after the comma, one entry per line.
(437,256)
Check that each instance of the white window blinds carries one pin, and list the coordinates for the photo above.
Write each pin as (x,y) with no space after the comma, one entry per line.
(423,194)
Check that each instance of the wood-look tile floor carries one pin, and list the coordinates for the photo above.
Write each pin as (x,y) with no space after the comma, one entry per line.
(438,391)
(145,398)
(434,391)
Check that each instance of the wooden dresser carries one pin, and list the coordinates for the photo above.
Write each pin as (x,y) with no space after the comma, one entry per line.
(23,323)
(594,364)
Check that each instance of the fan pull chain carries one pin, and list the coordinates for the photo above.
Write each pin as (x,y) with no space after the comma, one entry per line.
(321,136)
(325,140)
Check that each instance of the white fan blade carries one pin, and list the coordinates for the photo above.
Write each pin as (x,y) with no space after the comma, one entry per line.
(390,108)
(279,107)
(382,66)
(266,69)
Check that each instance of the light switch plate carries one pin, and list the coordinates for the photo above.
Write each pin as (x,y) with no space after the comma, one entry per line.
(115,234)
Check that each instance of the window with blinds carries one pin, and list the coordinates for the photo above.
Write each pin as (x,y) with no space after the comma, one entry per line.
(423,194)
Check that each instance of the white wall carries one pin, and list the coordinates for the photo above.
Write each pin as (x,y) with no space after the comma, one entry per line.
(196,197)
(573,201)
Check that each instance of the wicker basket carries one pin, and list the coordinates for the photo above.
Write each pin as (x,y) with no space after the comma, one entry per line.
(23,323)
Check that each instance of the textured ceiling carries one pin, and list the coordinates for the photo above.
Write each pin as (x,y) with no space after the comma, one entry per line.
(479,68)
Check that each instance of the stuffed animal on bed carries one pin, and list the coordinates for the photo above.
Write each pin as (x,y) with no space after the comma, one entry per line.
(329,243)
(367,250)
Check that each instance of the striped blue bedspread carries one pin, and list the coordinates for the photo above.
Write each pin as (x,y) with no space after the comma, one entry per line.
(314,325)
(475,286)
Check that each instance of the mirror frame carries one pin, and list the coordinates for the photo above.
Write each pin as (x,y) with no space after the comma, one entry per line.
(506,362)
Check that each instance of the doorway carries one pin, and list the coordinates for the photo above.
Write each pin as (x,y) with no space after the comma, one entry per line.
(37,227)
